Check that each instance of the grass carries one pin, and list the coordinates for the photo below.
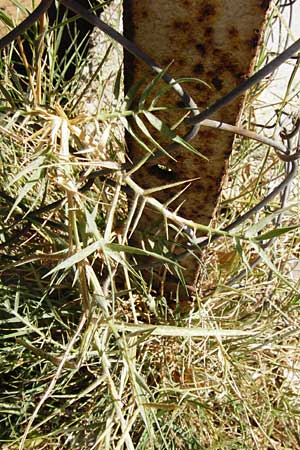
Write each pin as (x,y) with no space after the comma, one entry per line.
(91,358)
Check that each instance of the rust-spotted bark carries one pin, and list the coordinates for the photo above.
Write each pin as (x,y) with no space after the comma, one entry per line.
(215,41)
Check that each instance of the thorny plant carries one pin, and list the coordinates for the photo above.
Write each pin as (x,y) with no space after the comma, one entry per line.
(281,151)
(84,231)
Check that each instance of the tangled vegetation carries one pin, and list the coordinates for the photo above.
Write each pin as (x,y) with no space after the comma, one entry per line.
(93,357)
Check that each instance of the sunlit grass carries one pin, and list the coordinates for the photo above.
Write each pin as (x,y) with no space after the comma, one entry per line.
(91,357)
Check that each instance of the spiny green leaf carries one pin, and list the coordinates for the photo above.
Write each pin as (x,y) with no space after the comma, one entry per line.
(276,232)
(170,134)
(129,97)
(130,130)
(35,164)
(77,257)
(145,131)
(151,86)
(262,223)
(29,185)
(112,249)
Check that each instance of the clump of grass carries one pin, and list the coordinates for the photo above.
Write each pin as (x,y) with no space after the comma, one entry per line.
(91,358)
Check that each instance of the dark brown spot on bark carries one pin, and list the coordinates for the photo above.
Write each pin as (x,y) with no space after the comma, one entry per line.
(181,62)
(180,104)
(206,11)
(165,62)
(201,49)
(233,32)
(265,4)
(231,66)
(254,41)
(144,13)
(198,68)
(205,133)
(208,31)
(182,26)
(211,73)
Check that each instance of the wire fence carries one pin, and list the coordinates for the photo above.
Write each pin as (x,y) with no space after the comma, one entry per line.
(284,149)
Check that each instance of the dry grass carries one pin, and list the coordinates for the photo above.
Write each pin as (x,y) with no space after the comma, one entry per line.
(91,358)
